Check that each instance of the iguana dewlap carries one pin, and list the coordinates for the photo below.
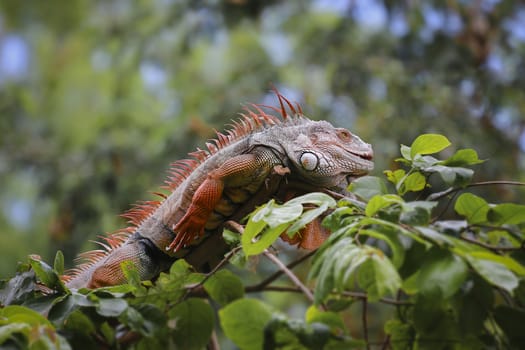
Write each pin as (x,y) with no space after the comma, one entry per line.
(261,157)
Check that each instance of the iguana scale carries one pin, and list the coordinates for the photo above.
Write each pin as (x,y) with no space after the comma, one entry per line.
(261,157)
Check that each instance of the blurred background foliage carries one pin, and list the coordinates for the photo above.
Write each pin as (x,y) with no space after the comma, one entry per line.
(98,97)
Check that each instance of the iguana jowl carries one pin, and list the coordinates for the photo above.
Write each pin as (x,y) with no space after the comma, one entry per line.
(261,157)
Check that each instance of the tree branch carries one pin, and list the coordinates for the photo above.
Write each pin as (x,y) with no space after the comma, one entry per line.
(364,318)
(493,248)
(278,273)
(290,275)
(439,195)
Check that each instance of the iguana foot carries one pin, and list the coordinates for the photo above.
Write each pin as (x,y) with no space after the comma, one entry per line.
(189,228)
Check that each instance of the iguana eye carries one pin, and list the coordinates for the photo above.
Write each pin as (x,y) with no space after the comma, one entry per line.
(309,161)
(344,135)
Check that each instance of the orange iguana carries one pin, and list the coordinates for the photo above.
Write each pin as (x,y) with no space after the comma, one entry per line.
(263,156)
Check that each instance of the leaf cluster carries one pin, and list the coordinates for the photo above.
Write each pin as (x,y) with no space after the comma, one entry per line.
(451,282)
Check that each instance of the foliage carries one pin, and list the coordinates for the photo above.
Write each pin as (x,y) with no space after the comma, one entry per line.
(98,91)
(452,283)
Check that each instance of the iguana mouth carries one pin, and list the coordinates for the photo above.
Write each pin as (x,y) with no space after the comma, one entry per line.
(364,155)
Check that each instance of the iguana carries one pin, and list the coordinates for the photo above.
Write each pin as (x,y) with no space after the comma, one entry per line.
(262,156)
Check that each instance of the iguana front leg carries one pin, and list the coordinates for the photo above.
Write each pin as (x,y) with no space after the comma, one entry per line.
(238,171)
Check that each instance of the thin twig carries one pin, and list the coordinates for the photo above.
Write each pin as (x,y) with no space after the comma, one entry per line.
(444,209)
(360,295)
(282,267)
(509,230)
(364,317)
(493,248)
(213,344)
(439,195)
(234,225)
(386,342)
(191,288)
(289,289)
(496,182)
(278,273)
(290,275)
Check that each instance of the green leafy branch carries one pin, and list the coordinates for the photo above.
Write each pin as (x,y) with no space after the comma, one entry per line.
(453,279)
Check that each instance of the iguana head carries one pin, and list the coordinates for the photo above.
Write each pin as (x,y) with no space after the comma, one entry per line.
(326,156)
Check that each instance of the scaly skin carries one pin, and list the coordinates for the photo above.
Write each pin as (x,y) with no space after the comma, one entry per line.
(262,157)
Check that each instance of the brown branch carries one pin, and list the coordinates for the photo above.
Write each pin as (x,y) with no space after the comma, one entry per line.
(295,280)
(224,261)
(439,195)
(496,182)
(278,273)
(493,248)
(386,342)
(288,289)
(364,319)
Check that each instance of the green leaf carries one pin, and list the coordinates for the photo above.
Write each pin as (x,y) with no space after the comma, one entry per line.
(472,207)
(424,162)
(511,321)
(224,287)
(306,217)
(494,272)
(378,276)
(416,212)
(244,322)
(428,144)
(452,176)
(476,302)
(131,273)
(317,198)
(434,235)
(108,332)
(400,334)
(78,322)
(265,238)
(61,309)
(154,319)
(432,319)
(44,273)
(231,238)
(507,213)
(398,251)
(441,271)
(58,264)
(193,323)
(266,224)
(463,157)
(379,202)
(341,264)
(111,307)
(21,314)
(394,176)
(412,183)
(275,215)
(8,330)
(405,152)
(331,319)
(368,186)
(18,289)
(506,260)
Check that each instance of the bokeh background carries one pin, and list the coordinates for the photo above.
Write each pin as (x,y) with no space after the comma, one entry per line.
(98,97)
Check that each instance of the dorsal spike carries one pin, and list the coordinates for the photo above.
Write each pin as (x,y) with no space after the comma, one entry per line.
(283,110)
(267,117)
(299,108)
(160,194)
